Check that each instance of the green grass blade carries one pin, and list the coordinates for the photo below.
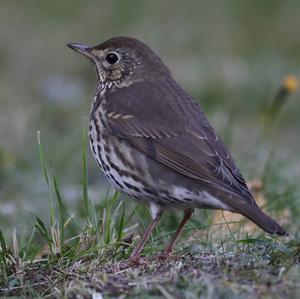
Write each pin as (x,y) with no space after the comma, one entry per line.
(40,226)
(62,211)
(86,202)
(30,250)
(3,254)
(42,158)
(93,219)
(121,225)
(107,223)
(43,162)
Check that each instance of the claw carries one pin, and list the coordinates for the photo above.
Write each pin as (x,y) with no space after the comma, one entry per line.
(134,261)
(167,255)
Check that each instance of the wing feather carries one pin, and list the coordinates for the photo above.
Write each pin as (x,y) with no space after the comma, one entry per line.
(170,127)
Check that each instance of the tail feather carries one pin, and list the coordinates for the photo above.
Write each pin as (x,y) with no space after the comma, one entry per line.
(256,215)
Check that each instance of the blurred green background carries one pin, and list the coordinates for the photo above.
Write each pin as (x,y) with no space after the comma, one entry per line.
(231,55)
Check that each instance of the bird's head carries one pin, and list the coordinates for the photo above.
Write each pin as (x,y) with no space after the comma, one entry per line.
(121,61)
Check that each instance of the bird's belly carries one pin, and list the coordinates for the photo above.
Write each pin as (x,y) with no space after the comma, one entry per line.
(121,167)
(144,178)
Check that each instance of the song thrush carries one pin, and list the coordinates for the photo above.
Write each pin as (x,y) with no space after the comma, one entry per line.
(153,141)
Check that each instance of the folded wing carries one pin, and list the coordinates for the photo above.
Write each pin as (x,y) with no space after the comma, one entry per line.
(162,121)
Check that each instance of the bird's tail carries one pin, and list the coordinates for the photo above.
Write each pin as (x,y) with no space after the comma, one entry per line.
(256,215)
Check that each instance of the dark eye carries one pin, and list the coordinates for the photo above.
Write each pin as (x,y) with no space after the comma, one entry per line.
(112,58)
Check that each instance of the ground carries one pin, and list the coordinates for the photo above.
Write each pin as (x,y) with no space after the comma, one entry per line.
(205,266)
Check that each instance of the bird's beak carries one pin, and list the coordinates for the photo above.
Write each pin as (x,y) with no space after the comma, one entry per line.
(81,48)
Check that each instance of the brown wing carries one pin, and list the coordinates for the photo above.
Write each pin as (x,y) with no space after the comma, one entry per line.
(161,120)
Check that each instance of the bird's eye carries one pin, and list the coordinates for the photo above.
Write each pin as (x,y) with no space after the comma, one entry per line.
(112,58)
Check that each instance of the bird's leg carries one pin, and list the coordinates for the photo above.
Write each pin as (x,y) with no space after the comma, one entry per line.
(156,214)
(168,249)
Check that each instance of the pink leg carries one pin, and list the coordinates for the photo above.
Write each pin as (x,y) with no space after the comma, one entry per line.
(135,256)
(187,216)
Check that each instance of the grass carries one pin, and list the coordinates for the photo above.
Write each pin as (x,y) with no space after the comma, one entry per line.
(78,255)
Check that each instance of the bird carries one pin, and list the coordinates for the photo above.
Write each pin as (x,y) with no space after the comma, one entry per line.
(153,141)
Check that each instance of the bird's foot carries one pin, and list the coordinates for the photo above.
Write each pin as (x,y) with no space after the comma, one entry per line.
(133,261)
(163,256)
(166,255)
